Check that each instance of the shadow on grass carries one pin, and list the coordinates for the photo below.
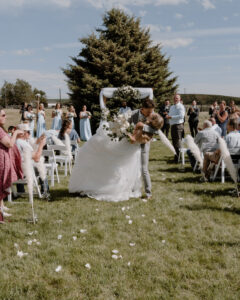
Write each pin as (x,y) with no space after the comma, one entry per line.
(176,169)
(214,193)
(223,243)
(197,207)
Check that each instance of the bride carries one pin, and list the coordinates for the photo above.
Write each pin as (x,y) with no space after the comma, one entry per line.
(107,170)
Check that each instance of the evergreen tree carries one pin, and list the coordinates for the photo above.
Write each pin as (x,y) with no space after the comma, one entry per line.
(120,53)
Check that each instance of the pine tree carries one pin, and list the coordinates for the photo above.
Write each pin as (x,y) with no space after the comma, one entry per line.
(120,53)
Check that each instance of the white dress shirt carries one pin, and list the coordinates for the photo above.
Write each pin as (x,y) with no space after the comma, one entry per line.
(177,113)
(233,142)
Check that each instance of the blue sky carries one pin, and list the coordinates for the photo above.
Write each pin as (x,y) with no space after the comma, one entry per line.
(202,37)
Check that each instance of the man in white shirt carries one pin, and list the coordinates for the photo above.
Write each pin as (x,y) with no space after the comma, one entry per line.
(124,109)
(176,119)
(215,126)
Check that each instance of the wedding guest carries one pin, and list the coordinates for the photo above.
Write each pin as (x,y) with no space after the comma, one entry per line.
(215,126)
(141,115)
(24,142)
(22,111)
(85,127)
(193,113)
(213,109)
(41,124)
(124,108)
(57,117)
(176,116)
(233,143)
(29,116)
(164,111)
(206,139)
(10,162)
(234,113)
(71,114)
(66,128)
(221,117)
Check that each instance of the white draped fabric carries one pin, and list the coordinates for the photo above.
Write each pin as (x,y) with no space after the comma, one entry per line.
(108,93)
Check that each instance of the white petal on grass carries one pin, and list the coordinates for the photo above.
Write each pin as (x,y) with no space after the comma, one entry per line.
(16,245)
(128,217)
(120,256)
(128,207)
(30,233)
(143,215)
(83,230)
(38,243)
(34,240)
(144,200)
(129,263)
(180,198)
(88,266)
(123,208)
(97,209)
(59,221)
(21,254)
(163,241)
(154,221)
(115,251)
(29,242)
(58,269)
(130,222)
(132,244)
(59,237)
(114,256)
(74,238)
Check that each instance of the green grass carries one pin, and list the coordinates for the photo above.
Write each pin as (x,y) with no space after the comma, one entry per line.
(199,223)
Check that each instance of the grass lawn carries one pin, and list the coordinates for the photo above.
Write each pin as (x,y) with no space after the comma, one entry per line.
(186,242)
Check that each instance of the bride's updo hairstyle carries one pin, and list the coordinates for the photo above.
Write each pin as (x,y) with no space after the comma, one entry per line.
(155,121)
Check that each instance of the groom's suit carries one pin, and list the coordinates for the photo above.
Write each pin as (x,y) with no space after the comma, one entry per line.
(135,118)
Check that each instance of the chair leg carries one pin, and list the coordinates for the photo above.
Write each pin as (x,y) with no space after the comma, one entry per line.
(37,187)
(52,175)
(223,172)
(66,167)
(10,195)
(56,168)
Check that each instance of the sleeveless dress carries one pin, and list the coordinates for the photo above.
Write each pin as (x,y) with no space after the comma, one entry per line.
(41,124)
(71,118)
(222,125)
(10,166)
(57,120)
(107,170)
(30,117)
(85,127)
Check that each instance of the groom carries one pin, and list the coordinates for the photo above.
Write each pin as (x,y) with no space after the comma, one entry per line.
(140,115)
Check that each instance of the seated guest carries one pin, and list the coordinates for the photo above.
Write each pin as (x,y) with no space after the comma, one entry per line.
(206,139)
(23,143)
(215,126)
(74,137)
(233,144)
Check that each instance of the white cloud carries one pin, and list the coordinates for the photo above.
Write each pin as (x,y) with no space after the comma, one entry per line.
(48,82)
(8,4)
(178,16)
(23,52)
(142,13)
(176,43)
(225,18)
(159,28)
(207,4)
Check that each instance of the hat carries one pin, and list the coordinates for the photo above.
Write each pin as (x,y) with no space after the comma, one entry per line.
(24,127)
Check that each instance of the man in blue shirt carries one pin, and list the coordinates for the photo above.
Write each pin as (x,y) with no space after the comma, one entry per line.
(176,119)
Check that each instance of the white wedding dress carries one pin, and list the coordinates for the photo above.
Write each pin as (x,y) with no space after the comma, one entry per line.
(107,170)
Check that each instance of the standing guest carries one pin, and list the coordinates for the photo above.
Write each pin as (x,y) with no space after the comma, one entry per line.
(176,117)
(141,115)
(124,108)
(193,113)
(71,114)
(57,117)
(221,117)
(213,109)
(10,162)
(29,116)
(215,126)
(22,111)
(41,124)
(85,127)
(234,113)
(11,130)
(164,111)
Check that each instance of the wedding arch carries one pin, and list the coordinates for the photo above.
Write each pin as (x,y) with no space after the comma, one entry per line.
(108,93)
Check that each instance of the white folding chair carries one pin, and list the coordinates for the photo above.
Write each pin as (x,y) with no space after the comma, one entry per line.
(75,151)
(51,165)
(24,181)
(62,158)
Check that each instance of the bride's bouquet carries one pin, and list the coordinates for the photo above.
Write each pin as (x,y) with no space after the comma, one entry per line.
(118,126)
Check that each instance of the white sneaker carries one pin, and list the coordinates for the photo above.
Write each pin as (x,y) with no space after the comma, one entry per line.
(6,215)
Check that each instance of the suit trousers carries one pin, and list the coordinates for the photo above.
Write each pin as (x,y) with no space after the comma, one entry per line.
(177,134)
(145,148)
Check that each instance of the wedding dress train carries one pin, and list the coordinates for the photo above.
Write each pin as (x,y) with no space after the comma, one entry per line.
(107,170)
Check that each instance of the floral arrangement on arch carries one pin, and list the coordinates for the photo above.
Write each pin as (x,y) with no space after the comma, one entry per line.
(118,126)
